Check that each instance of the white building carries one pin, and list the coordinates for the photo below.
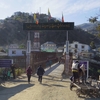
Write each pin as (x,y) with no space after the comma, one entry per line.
(49,47)
(77,48)
(13,46)
(14,50)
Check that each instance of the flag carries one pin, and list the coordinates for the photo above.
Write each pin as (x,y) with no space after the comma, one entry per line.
(62,18)
(35,19)
(49,15)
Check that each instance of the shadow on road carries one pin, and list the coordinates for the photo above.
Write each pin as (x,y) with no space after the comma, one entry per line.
(5,95)
(51,69)
(53,85)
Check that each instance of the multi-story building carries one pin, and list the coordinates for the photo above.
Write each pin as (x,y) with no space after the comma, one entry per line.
(77,48)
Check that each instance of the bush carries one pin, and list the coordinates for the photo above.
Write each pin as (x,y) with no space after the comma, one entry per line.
(19,71)
(98,71)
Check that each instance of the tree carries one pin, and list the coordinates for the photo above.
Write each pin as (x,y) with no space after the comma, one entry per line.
(92,45)
(93,20)
(22,46)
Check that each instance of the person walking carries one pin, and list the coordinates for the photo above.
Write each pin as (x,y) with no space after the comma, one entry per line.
(40,72)
(29,73)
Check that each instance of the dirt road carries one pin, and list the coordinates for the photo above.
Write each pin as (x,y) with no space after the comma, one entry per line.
(52,87)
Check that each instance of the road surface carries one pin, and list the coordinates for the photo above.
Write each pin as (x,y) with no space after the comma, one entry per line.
(52,87)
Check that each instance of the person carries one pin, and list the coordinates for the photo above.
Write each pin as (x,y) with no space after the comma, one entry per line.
(82,73)
(50,63)
(5,74)
(40,72)
(13,70)
(59,60)
(8,73)
(29,73)
(75,70)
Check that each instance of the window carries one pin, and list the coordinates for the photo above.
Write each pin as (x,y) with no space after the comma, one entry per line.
(76,46)
(23,52)
(13,52)
(82,46)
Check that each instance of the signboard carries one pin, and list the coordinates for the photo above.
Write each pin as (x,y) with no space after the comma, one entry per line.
(49,26)
(5,62)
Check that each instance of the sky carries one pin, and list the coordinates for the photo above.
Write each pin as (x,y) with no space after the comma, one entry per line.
(77,11)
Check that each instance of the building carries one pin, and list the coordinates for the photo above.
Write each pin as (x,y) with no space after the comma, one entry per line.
(49,47)
(14,50)
(13,46)
(77,48)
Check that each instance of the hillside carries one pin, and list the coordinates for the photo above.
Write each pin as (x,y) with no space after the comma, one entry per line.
(11,31)
(90,27)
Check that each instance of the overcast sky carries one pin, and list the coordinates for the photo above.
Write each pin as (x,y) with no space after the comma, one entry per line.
(77,11)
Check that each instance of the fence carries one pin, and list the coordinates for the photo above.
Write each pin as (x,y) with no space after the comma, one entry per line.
(41,58)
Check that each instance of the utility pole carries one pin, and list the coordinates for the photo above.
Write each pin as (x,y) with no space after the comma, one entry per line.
(67,55)
(28,50)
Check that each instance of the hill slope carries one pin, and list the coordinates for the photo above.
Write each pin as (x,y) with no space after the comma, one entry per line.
(11,31)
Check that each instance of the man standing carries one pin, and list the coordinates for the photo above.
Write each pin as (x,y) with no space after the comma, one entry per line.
(13,70)
(82,68)
(75,70)
(40,72)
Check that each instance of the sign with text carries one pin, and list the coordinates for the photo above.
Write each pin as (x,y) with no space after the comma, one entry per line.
(49,26)
(5,62)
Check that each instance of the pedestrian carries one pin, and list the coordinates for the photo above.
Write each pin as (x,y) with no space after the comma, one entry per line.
(75,70)
(82,73)
(5,74)
(13,70)
(29,73)
(40,72)
(50,63)
(8,73)
(59,60)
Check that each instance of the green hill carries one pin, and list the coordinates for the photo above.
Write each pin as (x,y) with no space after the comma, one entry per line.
(11,31)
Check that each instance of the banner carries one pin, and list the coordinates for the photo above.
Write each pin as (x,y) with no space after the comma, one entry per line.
(5,62)
(49,26)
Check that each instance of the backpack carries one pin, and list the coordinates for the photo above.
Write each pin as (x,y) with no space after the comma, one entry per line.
(40,71)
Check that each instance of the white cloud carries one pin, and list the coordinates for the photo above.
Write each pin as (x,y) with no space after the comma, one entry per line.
(56,7)
(3,5)
(82,6)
